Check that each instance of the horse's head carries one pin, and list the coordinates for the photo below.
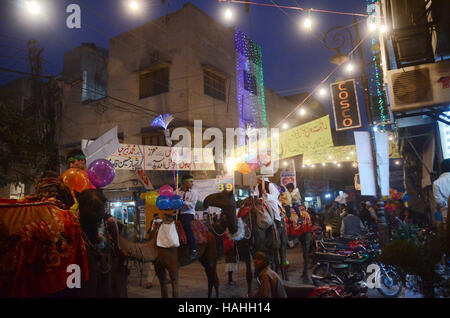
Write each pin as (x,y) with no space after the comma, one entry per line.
(92,210)
(225,201)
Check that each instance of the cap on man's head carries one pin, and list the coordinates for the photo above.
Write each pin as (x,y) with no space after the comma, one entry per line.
(187,177)
(75,154)
(262,256)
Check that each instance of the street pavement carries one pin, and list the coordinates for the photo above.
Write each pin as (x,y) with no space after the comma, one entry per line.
(193,282)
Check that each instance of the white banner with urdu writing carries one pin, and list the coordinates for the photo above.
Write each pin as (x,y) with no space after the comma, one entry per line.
(131,157)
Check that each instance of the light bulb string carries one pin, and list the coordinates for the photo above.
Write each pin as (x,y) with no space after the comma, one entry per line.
(323,81)
(295,8)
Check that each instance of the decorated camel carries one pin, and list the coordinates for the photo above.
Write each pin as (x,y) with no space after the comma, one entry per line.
(41,240)
(170,259)
(246,234)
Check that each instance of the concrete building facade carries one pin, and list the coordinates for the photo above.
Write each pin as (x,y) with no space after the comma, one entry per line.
(186,64)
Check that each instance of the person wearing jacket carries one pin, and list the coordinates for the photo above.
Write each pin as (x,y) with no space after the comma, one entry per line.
(351,224)
(271,284)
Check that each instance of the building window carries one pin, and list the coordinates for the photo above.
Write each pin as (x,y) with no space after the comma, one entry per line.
(250,83)
(155,140)
(214,85)
(154,83)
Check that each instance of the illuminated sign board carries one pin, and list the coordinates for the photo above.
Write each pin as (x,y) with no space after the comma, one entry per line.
(345,105)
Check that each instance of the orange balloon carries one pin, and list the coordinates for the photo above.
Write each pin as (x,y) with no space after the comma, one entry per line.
(76,179)
(244,168)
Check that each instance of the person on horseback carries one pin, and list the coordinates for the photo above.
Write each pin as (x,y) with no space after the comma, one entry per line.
(187,212)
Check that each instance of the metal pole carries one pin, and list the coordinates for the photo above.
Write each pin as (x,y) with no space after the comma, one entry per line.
(381,217)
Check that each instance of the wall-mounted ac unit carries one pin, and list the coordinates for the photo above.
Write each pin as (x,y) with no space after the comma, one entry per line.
(419,86)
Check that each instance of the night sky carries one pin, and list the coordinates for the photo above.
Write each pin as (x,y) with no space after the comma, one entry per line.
(293,60)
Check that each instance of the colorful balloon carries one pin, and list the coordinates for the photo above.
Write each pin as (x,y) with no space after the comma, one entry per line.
(76,179)
(151,198)
(406,197)
(244,168)
(101,172)
(255,166)
(175,202)
(162,202)
(166,190)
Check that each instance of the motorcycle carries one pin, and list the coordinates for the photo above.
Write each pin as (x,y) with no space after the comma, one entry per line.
(334,260)
(348,287)
(329,265)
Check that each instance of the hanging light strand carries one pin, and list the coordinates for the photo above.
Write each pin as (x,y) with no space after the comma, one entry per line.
(295,8)
(322,82)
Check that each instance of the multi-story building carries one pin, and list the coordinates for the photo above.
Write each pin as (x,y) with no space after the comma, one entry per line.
(415,55)
(186,64)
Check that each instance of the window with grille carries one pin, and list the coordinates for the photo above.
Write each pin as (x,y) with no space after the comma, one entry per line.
(214,85)
(250,83)
(154,83)
(155,140)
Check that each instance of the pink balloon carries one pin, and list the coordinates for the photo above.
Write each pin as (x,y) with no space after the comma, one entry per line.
(255,166)
(166,190)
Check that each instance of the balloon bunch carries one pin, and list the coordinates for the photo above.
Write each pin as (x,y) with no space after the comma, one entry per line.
(396,201)
(165,199)
(100,173)
(252,163)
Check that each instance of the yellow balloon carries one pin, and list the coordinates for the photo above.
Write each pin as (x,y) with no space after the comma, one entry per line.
(151,197)
(244,168)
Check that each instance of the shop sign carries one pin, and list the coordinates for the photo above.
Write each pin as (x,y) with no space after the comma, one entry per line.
(225,183)
(345,105)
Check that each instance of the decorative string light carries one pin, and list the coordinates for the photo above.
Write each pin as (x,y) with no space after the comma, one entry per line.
(380,113)
(228,14)
(250,80)
(294,8)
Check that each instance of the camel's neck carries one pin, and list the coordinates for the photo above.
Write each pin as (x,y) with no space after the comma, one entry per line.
(232,222)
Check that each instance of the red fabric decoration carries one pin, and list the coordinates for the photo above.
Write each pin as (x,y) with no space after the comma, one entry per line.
(38,241)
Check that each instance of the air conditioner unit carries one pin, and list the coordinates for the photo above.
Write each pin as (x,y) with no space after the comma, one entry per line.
(419,86)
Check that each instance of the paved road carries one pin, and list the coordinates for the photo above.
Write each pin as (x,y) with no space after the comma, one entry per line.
(193,283)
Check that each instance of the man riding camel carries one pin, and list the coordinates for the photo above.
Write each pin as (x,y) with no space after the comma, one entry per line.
(187,212)
(77,159)
(270,194)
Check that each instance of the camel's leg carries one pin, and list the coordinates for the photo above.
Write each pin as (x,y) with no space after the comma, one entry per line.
(249,274)
(173,273)
(283,244)
(209,274)
(161,272)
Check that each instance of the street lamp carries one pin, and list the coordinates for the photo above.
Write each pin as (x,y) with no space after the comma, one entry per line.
(322,92)
(228,14)
(33,7)
(307,24)
(134,5)
(349,68)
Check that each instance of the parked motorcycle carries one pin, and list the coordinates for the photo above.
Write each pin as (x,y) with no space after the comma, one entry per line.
(350,287)
(354,256)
